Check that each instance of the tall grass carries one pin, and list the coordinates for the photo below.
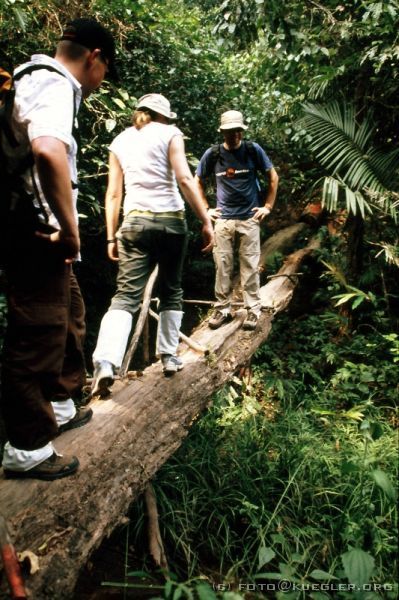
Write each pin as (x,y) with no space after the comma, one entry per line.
(290,474)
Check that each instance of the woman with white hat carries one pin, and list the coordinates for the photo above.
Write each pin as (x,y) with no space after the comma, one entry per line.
(148,160)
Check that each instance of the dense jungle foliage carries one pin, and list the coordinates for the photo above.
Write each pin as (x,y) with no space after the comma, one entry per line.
(290,476)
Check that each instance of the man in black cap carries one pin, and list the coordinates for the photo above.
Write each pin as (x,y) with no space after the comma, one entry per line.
(43,366)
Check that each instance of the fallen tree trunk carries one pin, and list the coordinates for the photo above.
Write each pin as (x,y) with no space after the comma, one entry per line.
(129,438)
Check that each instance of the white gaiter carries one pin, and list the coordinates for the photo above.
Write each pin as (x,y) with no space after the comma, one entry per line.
(112,339)
(168,331)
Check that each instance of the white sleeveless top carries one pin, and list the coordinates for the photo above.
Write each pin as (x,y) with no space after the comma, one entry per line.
(150,183)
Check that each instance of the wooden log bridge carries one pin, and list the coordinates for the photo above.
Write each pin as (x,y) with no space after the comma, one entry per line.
(129,438)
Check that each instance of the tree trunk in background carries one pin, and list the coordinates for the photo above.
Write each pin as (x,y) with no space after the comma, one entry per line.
(355,230)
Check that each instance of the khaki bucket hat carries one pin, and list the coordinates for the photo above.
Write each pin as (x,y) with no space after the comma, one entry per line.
(232,119)
(158,104)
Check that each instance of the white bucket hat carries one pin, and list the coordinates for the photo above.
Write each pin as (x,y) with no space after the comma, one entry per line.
(158,104)
(232,119)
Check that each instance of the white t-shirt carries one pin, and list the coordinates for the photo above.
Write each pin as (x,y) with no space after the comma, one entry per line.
(44,106)
(150,183)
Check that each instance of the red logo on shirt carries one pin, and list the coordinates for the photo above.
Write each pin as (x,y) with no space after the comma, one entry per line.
(230,172)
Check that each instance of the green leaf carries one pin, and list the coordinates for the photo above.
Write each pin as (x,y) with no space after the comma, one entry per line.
(344,298)
(177,593)
(383,481)
(358,566)
(119,103)
(354,414)
(376,431)
(268,575)
(168,588)
(140,574)
(110,124)
(265,555)
(349,467)
(320,575)
(205,592)
(287,571)
(21,17)
(357,301)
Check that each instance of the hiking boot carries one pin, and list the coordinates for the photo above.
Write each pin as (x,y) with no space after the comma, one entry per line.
(171,364)
(103,378)
(83,416)
(218,318)
(251,321)
(54,467)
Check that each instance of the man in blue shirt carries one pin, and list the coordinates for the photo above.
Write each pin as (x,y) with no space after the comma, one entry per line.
(241,207)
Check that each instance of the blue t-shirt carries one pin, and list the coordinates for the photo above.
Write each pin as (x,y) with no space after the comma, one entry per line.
(237,187)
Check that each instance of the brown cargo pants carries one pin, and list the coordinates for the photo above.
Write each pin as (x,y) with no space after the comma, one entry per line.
(43,346)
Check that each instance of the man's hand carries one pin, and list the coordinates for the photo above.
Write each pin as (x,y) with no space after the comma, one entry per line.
(208,237)
(261,212)
(113,251)
(214,213)
(70,243)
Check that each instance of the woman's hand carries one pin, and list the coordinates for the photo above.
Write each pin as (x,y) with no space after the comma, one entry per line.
(208,237)
(113,251)
(214,213)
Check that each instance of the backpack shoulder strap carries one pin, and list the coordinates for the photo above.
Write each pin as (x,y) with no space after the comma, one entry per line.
(39,67)
(251,151)
(215,155)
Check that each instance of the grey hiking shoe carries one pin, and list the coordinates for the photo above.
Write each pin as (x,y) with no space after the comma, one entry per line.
(251,321)
(54,467)
(171,364)
(218,318)
(103,378)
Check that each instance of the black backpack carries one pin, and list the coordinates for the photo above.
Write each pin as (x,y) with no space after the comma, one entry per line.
(18,212)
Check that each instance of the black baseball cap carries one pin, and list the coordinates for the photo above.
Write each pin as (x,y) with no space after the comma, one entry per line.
(90,34)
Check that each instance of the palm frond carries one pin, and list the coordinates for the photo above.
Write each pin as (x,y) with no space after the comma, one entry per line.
(323,81)
(340,144)
(344,147)
(355,201)
(386,202)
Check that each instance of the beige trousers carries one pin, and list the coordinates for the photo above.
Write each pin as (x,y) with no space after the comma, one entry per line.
(230,233)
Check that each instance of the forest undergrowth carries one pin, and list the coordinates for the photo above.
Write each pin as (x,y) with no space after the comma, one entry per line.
(285,487)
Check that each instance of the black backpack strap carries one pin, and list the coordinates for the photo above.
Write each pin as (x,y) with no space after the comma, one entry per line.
(31,69)
(215,156)
(251,151)
(5,118)
(28,162)
(39,67)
